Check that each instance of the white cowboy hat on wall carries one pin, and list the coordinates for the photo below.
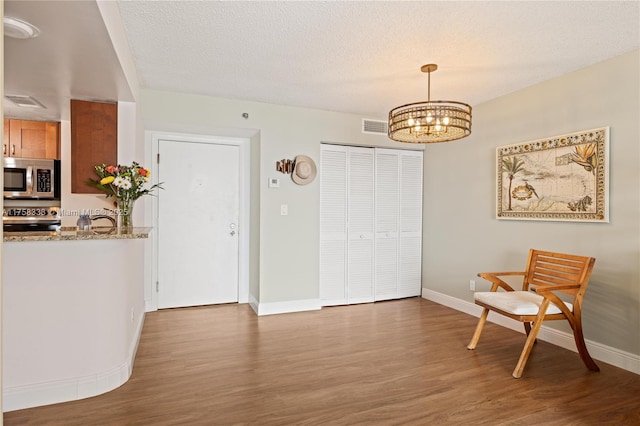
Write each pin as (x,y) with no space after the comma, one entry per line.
(304,170)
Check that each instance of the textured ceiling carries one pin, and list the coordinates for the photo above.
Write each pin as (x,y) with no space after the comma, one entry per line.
(365,57)
(359,57)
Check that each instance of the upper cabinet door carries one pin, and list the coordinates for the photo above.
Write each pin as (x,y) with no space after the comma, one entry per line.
(94,141)
(31,139)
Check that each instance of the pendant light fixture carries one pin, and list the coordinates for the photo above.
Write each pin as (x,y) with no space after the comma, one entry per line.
(430,121)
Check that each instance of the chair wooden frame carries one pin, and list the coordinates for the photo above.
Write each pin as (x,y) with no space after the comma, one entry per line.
(546,273)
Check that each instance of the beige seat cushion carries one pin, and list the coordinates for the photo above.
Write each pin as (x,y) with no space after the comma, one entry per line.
(517,302)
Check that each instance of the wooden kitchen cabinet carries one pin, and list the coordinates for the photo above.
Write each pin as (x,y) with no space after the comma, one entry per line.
(31,139)
(94,140)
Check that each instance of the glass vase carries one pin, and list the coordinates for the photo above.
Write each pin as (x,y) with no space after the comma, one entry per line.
(125,214)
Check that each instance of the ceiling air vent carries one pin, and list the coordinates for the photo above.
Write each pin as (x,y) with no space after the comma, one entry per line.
(377,127)
(24,101)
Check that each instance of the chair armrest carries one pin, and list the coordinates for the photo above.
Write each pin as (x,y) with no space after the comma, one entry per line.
(551,288)
(547,291)
(497,282)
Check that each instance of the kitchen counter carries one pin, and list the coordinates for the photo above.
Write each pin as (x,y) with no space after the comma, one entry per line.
(72,313)
(71,233)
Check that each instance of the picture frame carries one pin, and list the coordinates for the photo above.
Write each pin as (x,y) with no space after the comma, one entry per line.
(560,178)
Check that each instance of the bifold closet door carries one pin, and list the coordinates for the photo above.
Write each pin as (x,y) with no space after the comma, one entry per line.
(370,224)
(346,225)
(398,228)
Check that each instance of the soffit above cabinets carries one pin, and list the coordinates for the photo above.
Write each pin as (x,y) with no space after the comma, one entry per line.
(71,58)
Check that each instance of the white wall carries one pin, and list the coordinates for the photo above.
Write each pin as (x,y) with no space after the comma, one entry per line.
(462,236)
(288,245)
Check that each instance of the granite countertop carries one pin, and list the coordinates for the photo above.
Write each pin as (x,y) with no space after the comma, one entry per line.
(71,233)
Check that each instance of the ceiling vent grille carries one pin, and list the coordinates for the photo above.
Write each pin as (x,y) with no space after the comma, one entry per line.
(377,127)
(24,101)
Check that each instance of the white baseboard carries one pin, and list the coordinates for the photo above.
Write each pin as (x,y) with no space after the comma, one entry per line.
(613,356)
(253,303)
(273,308)
(35,395)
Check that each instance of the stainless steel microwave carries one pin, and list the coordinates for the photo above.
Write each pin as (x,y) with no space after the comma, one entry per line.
(31,178)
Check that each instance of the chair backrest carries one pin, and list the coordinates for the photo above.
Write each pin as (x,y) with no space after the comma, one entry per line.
(550,268)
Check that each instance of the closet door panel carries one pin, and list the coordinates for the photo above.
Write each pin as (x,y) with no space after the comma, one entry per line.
(386,221)
(360,225)
(410,253)
(333,225)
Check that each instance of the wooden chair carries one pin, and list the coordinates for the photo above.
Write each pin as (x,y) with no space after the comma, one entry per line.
(547,273)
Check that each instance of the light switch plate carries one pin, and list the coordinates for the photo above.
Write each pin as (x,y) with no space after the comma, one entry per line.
(274,183)
(284,209)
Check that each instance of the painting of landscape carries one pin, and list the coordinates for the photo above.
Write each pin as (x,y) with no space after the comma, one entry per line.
(562,178)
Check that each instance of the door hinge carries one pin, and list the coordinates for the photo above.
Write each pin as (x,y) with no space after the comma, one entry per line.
(157,286)
(158,158)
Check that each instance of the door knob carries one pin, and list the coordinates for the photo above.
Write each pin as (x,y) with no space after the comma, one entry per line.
(232,233)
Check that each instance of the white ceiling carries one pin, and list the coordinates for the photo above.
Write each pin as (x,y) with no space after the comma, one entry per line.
(359,57)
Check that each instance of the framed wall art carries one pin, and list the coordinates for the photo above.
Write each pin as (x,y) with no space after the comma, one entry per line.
(561,178)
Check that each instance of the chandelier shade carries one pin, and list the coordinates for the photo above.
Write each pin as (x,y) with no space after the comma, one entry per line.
(430,121)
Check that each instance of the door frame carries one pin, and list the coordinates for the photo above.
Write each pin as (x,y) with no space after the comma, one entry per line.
(151,215)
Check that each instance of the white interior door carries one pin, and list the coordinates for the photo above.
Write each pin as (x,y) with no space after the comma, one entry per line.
(198,216)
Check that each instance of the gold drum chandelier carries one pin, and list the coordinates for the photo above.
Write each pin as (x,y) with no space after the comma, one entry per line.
(430,121)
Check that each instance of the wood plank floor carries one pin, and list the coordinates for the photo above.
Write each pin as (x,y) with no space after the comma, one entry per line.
(392,363)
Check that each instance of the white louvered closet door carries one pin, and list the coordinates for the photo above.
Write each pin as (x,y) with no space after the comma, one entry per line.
(410,254)
(333,225)
(386,229)
(370,224)
(360,225)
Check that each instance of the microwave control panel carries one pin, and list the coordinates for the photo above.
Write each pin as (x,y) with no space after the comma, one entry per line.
(43,180)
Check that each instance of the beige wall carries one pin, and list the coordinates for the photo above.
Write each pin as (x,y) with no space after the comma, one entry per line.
(462,236)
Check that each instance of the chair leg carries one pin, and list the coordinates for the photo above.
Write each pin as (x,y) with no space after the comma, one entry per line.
(476,335)
(527,330)
(582,349)
(524,356)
